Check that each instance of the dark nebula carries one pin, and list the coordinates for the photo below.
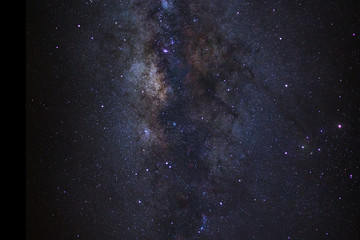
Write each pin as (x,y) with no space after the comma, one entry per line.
(169,119)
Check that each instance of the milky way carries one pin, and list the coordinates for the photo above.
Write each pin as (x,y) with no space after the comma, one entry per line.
(168,119)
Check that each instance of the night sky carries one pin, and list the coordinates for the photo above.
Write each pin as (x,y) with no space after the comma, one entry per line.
(192,119)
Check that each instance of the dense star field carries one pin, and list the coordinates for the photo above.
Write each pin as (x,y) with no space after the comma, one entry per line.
(179,119)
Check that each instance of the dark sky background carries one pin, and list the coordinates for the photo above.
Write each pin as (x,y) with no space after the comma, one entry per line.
(169,119)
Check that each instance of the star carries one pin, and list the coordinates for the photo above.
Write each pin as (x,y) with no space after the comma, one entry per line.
(209,119)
